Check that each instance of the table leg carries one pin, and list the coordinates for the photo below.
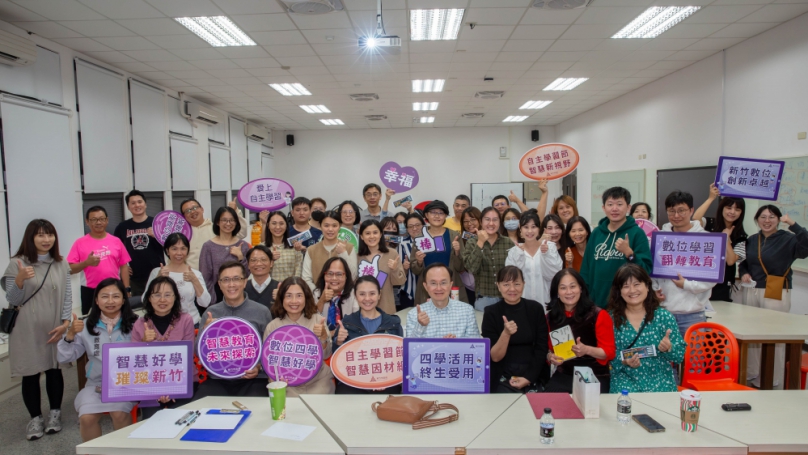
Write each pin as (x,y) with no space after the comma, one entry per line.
(744,355)
(794,358)
(767,366)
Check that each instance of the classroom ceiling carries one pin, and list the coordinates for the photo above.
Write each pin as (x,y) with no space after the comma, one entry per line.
(522,48)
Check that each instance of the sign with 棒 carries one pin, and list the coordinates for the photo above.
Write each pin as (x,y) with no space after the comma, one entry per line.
(697,256)
(147,371)
(427,243)
(168,222)
(229,347)
(266,194)
(446,365)
(292,352)
(751,178)
(372,269)
(370,362)
(647,227)
(549,161)
(349,236)
(397,177)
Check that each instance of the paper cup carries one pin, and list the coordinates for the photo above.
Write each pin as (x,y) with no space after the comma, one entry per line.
(689,408)
(455,294)
(277,399)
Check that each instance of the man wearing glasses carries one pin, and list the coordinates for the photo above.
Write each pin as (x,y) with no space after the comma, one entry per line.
(441,317)
(233,281)
(99,255)
(203,227)
(372,193)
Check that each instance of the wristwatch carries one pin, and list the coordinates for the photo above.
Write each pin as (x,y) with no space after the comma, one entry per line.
(630,258)
(128,289)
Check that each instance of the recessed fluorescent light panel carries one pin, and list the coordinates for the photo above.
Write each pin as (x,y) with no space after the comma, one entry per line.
(331,121)
(426,120)
(424,106)
(427,85)
(295,89)
(566,83)
(655,21)
(318,109)
(219,31)
(516,118)
(435,24)
(535,104)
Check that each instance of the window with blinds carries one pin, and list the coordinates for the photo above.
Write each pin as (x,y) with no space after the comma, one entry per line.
(154,203)
(217,199)
(178,196)
(112,203)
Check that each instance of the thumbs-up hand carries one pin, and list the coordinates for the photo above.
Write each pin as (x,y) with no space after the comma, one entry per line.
(189,275)
(263,215)
(423,318)
(512,197)
(580,349)
(341,247)
(235,250)
(76,326)
(150,232)
(543,248)
(622,245)
(510,327)
(232,204)
(406,263)
(163,270)
(665,345)
(568,257)
(543,186)
(328,294)
(342,334)
(24,273)
(209,320)
(391,263)
(92,260)
(275,292)
(149,334)
(320,330)
(680,282)
(482,237)
(456,244)
(276,253)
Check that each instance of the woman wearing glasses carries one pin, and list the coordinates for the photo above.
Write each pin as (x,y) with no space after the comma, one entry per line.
(223,247)
(202,228)
(328,247)
(348,215)
(333,291)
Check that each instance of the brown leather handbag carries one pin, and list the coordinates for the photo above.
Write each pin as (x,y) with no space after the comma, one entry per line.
(413,411)
(774,284)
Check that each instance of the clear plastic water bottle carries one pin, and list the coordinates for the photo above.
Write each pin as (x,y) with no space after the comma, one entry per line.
(624,408)
(547,424)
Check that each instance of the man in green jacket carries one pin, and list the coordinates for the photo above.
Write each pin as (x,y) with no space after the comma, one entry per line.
(615,241)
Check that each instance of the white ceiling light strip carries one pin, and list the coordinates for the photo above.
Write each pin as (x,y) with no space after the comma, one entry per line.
(435,24)
(427,85)
(535,104)
(218,31)
(318,109)
(563,83)
(655,20)
(295,89)
(516,118)
(426,120)
(425,106)
(331,121)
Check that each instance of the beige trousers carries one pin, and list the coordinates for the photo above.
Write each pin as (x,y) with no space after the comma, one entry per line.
(754,297)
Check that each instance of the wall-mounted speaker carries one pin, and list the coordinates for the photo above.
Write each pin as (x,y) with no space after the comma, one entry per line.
(534,135)
(290,139)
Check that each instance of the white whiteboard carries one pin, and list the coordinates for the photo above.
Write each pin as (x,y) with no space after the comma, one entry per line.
(254,159)
(219,168)
(238,154)
(267,165)
(483,193)
(149,136)
(183,164)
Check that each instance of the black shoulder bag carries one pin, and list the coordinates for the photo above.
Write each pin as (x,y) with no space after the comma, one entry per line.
(8,317)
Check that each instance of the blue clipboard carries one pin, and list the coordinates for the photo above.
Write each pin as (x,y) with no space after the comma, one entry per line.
(214,435)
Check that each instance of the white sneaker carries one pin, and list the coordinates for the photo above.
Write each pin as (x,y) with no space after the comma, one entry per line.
(54,422)
(35,428)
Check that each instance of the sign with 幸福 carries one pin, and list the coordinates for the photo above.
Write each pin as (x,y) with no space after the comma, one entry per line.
(446,365)
(697,256)
(749,178)
(147,371)
(370,362)
(397,177)
(549,161)
(266,194)
(229,347)
(292,353)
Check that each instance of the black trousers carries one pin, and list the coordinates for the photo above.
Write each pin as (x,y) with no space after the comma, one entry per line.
(31,394)
(86,299)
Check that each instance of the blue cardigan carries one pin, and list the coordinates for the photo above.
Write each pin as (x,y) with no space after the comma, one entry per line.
(391,325)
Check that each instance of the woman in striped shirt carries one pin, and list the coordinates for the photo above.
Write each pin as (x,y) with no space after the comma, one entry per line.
(414,223)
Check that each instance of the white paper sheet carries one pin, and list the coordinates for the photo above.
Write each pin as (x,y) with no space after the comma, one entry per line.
(291,431)
(161,425)
(217,421)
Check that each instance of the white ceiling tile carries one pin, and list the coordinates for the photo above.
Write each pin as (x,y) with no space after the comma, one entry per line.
(48,29)
(243,83)
(431,4)
(653,73)
(537,16)
(561,56)
(432,46)
(591,31)
(322,21)
(480,45)
(154,75)
(154,55)
(175,65)
(222,73)
(618,15)
(776,13)
(249,6)
(365,21)
(308,70)
(670,65)
(685,30)
(217,64)
(570,45)
(494,16)
(268,72)
(604,56)
(12,12)
(431,58)
(662,44)
(620,45)
(533,32)
(527,45)
(470,66)
(278,37)
(721,14)
(158,26)
(337,49)
(83,44)
(331,36)
(474,57)
(123,9)
(339,60)
(617,73)
(243,52)
(186,8)
(486,32)
(60,10)
(526,57)
(742,30)
(127,43)
(111,57)
(691,55)
(290,51)
(197,54)
(299,61)
(173,83)
(357,5)
(206,82)
(714,44)
(187,41)
(134,67)
(264,22)
(265,62)
(648,55)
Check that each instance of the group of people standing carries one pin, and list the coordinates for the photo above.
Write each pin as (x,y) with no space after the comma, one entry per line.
(531,273)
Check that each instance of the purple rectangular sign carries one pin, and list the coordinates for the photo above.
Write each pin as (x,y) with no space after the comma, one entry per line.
(698,256)
(147,371)
(750,178)
(446,365)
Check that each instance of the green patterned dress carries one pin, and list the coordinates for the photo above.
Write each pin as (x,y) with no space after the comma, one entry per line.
(654,374)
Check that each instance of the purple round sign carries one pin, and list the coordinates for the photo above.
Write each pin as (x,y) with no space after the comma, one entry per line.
(397,177)
(229,347)
(266,194)
(168,222)
(294,352)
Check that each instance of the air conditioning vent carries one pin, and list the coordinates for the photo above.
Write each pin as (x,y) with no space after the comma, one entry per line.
(313,6)
(16,50)
(255,132)
(364,96)
(375,117)
(473,115)
(489,95)
(202,114)
(561,4)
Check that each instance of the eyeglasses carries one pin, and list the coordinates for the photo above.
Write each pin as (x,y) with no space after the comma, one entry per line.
(415,226)
(490,220)
(259,261)
(372,194)
(161,296)
(680,212)
(469,222)
(442,284)
(233,280)
(191,209)
(335,275)
(97,220)
(224,221)
(348,212)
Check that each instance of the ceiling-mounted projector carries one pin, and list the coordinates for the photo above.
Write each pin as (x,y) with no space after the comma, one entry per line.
(372,42)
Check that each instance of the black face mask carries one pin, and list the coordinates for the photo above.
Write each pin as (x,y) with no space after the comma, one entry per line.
(318,216)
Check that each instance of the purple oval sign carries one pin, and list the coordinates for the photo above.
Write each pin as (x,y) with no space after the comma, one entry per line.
(647,226)
(168,222)
(266,194)
(229,347)
(294,352)
(397,177)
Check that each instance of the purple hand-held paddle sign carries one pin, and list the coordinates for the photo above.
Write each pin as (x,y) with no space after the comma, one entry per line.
(168,222)
(229,347)
(397,177)
(266,194)
(294,352)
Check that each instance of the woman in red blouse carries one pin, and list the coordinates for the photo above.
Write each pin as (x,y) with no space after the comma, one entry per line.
(592,330)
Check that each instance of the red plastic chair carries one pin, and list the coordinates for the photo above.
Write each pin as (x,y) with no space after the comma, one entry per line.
(711,359)
(803,371)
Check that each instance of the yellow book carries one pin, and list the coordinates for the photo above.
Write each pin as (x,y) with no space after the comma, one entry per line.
(564,350)
(563,342)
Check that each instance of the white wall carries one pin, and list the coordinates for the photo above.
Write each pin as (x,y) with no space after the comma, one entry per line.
(749,100)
